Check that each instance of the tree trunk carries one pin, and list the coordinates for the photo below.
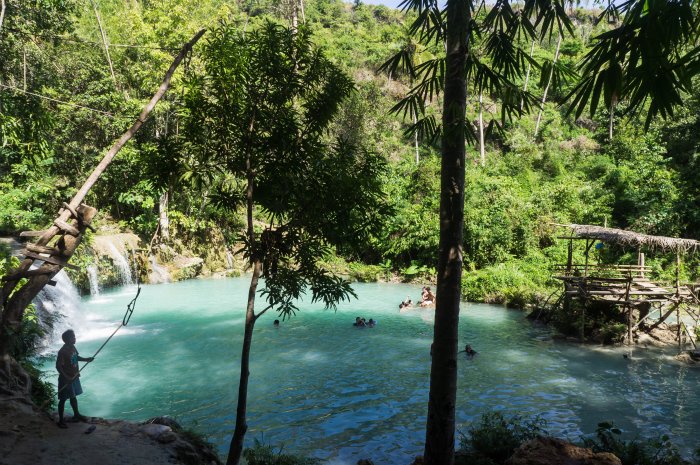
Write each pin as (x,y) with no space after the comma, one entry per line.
(163,220)
(482,149)
(546,88)
(415,140)
(611,121)
(105,44)
(236,449)
(527,74)
(440,428)
(295,17)
(24,68)
(2,13)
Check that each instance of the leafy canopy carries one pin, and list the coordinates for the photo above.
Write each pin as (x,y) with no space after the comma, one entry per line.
(259,115)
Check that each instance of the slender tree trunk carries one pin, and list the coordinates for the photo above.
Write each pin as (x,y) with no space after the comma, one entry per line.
(482,149)
(527,74)
(105,44)
(236,449)
(415,140)
(295,17)
(546,88)
(301,7)
(2,13)
(440,428)
(24,68)
(611,120)
(163,220)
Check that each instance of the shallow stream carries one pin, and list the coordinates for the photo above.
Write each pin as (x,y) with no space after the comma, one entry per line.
(321,387)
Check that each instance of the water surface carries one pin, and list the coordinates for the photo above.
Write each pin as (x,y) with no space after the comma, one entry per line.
(321,387)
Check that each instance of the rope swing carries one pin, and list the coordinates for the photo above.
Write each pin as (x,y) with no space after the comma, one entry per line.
(125,321)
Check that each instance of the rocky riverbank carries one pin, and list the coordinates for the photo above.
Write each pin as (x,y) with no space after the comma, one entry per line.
(31,437)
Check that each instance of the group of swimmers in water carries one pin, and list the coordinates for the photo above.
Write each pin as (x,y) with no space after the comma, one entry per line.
(427,299)
(362,323)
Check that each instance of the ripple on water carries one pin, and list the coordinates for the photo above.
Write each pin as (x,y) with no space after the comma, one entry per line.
(319,386)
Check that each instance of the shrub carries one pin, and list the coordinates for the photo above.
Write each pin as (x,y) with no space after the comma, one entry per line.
(43,393)
(515,283)
(262,454)
(612,332)
(495,438)
(659,451)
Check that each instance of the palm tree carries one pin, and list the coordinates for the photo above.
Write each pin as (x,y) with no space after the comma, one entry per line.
(648,60)
(453,25)
(404,62)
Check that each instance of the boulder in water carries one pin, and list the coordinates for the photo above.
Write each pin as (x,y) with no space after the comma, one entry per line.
(553,451)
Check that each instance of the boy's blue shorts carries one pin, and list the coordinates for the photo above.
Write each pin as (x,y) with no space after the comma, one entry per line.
(71,390)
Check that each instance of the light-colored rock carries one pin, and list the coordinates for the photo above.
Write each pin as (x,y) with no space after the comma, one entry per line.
(553,451)
(153,430)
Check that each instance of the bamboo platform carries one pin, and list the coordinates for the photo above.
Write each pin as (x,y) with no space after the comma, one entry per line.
(644,303)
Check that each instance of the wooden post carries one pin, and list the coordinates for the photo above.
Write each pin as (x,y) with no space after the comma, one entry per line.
(629,310)
(640,262)
(570,257)
(588,249)
(678,320)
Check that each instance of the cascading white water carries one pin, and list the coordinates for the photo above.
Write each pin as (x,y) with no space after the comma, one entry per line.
(93,279)
(121,264)
(62,304)
(159,273)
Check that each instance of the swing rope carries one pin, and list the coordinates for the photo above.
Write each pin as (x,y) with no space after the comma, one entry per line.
(125,321)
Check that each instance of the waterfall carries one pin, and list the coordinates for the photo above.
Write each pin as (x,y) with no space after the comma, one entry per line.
(159,273)
(121,264)
(94,281)
(59,307)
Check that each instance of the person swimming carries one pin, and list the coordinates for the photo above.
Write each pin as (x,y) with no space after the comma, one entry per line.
(359,322)
(371,323)
(470,351)
(427,297)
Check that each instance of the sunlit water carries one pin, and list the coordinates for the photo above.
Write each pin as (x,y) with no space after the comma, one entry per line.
(321,387)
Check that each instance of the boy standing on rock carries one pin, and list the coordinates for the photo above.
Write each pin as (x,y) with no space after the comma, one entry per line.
(69,377)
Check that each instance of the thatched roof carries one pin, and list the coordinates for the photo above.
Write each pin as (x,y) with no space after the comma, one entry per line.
(633,239)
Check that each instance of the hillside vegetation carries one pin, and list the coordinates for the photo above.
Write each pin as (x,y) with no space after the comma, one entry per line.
(569,173)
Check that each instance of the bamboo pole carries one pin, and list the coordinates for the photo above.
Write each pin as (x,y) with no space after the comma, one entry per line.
(13,304)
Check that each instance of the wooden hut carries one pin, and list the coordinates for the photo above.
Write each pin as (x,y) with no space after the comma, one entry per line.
(647,303)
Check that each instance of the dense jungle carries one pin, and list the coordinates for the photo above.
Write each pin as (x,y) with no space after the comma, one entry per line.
(304,143)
